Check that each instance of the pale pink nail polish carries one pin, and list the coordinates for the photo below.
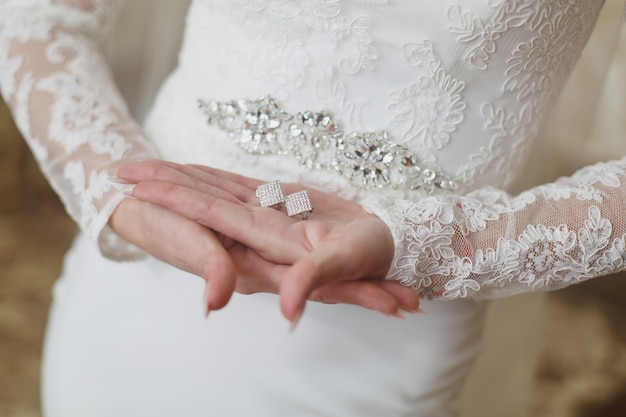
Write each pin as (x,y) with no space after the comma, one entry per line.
(206,299)
(396,315)
(295,321)
(414,311)
(118,180)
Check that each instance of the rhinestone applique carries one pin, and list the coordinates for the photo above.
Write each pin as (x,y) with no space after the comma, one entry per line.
(369,160)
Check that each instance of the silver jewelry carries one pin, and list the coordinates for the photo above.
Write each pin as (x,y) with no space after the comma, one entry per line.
(368,160)
(298,203)
(270,195)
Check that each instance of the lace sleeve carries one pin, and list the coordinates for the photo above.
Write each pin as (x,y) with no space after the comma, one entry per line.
(488,244)
(58,86)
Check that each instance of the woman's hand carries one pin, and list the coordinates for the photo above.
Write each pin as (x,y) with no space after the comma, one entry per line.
(180,242)
(189,246)
(340,248)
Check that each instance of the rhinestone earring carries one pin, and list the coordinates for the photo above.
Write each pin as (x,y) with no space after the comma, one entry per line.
(298,203)
(271,195)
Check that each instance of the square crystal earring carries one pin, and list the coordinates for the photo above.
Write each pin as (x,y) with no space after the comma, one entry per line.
(270,195)
(298,203)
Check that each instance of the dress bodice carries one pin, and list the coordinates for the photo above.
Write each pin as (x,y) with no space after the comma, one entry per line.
(465,85)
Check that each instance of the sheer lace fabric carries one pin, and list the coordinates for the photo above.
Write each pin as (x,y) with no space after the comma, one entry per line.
(463,84)
(56,81)
(489,244)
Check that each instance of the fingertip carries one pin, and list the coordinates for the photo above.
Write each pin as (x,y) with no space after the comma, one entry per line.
(296,288)
(124,168)
(142,170)
(140,190)
(291,308)
(295,321)
(221,280)
(396,315)
(372,296)
(130,169)
(206,297)
(408,299)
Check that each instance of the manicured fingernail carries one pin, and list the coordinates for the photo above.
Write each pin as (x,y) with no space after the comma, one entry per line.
(118,180)
(206,299)
(295,321)
(414,311)
(396,315)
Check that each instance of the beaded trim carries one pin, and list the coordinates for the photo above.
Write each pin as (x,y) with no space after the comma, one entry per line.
(369,160)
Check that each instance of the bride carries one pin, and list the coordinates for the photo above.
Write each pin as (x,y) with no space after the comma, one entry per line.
(406,122)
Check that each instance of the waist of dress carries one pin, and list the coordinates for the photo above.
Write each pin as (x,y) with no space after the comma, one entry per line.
(316,141)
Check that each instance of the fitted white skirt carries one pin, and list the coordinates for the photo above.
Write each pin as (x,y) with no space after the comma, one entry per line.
(130,339)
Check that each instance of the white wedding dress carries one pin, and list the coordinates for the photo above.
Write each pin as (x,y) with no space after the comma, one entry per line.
(451,94)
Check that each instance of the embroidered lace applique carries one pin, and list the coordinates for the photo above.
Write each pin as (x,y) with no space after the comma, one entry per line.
(536,68)
(431,109)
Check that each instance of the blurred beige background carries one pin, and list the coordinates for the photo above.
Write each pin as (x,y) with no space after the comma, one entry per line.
(561,354)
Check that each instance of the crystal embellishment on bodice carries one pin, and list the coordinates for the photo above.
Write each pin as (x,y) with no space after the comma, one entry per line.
(368,160)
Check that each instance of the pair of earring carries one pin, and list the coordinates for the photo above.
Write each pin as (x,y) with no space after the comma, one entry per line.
(271,195)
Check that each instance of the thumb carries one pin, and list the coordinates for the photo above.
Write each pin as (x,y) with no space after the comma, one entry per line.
(198,250)
(332,261)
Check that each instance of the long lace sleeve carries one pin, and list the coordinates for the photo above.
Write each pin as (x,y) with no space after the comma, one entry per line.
(489,244)
(57,84)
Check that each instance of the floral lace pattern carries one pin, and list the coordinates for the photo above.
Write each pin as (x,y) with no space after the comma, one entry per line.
(427,126)
(536,69)
(488,244)
(85,130)
(282,25)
